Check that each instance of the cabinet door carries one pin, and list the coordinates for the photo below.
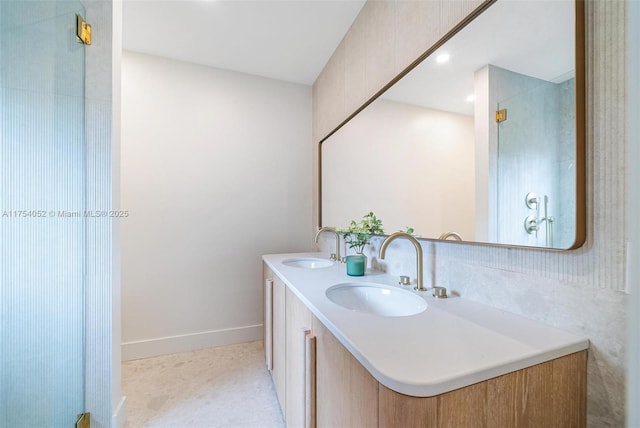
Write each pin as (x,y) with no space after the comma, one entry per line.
(551,394)
(279,339)
(267,282)
(298,321)
(346,395)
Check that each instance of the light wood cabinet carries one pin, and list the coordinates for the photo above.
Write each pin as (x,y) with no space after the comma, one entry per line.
(299,349)
(298,327)
(551,395)
(267,298)
(279,341)
(275,333)
(346,394)
(289,351)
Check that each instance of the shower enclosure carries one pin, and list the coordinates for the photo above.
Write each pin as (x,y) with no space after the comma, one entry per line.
(42,223)
(536,163)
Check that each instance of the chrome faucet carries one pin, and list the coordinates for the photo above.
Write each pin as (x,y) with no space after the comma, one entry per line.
(334,256)
(414,241)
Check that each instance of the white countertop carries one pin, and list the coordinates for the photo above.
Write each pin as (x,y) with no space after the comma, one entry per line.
(452,344)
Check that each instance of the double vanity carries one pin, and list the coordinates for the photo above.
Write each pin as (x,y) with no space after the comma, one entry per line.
(475,137)
(355,352)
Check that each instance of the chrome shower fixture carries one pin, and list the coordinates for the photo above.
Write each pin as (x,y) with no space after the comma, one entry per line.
(532,222)
(531,200)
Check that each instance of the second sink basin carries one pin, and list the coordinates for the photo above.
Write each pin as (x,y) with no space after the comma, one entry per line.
(307,263)
(377,299)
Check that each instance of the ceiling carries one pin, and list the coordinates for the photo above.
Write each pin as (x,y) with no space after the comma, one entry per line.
(535,38)
(289,40)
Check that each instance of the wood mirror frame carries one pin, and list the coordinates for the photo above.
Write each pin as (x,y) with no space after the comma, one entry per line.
(580,130)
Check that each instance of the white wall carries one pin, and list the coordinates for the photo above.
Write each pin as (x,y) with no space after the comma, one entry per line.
(399,161)
(215,173)
(485,209)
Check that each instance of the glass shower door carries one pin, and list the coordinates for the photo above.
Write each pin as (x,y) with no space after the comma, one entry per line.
(536,155)
(42,226)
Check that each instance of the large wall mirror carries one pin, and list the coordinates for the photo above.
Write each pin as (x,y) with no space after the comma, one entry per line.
(484,137)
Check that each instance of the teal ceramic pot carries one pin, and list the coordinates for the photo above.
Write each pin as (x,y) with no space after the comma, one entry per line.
(356,265)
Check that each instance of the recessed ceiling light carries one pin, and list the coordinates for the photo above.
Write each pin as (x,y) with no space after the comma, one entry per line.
(471,98)
(442,58)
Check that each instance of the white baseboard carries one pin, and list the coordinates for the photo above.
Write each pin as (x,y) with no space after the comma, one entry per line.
(189,342)
(119,418)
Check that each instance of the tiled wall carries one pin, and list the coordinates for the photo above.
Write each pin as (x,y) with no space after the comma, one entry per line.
(581,291)
(102,375)
(527,148)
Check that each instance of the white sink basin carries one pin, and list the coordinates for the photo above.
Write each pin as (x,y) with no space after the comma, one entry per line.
(377,299)
(307,263)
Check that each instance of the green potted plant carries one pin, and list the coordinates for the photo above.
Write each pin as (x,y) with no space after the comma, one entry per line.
(357,236)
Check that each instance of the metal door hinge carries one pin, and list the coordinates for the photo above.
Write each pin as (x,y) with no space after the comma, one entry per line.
(83,30)
(501,115)
(84,420)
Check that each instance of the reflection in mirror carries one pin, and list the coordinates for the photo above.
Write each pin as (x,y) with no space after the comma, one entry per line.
(460,142)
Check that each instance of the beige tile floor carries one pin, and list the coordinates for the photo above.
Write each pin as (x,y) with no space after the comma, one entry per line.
(227,386)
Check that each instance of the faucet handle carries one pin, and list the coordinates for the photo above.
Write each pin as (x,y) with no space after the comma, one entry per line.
(343,260)
(404,280)
(333,257)
(439,292)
